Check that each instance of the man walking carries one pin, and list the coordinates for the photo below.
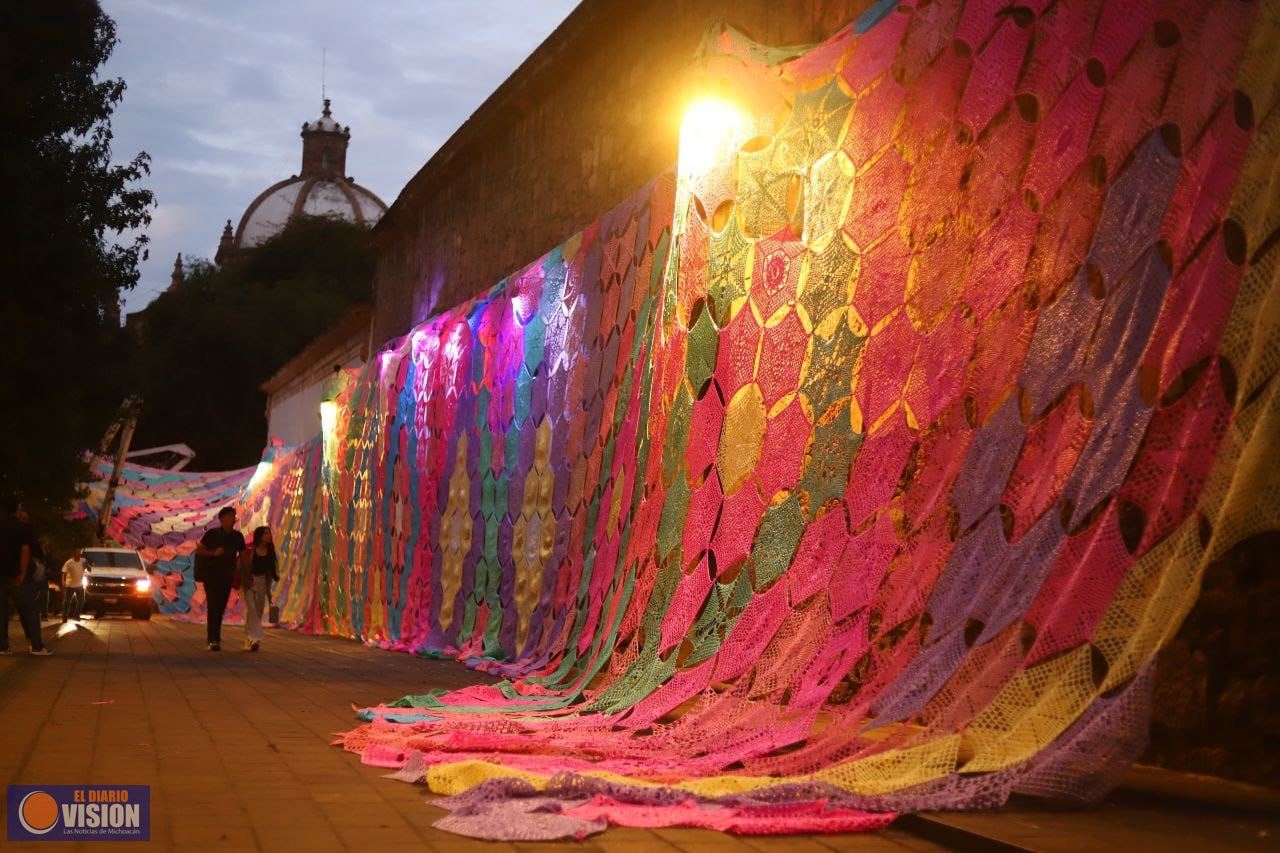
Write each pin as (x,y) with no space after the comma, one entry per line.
(18,585)
(73,571)
(216,556)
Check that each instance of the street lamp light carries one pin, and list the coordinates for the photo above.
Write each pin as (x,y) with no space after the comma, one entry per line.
(710,132)
(328,419)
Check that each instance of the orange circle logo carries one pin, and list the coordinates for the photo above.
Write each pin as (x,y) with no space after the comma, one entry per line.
(38,812)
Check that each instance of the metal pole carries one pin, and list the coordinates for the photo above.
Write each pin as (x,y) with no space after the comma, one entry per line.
(110,436)
(129,418)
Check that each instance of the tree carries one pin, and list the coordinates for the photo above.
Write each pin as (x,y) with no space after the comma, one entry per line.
(70,242)
(206,346)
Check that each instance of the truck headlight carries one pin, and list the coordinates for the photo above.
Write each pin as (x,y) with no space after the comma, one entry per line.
(143,585)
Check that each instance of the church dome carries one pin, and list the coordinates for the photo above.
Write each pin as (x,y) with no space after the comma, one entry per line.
(271,211)
(321,189)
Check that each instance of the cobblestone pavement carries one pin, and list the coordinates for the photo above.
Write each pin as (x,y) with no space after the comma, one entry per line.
(236,750)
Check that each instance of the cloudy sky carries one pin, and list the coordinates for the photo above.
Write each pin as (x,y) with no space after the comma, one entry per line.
(217,92)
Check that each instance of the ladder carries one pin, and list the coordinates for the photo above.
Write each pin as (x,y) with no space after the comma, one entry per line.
(124,424)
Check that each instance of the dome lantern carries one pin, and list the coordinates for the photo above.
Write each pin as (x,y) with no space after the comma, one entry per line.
(324,146)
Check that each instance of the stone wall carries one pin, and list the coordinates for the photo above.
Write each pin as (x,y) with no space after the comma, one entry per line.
(588,119)
(1216,708)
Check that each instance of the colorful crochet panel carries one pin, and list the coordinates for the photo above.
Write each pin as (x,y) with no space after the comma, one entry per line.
(862,465)
(163,514)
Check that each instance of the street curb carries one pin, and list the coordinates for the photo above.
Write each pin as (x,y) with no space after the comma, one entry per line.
(1204,790)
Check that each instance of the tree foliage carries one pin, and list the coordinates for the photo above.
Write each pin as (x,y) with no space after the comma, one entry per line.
(71,238)
(207,346)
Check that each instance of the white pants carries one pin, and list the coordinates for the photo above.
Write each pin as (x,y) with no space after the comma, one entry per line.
(255,600)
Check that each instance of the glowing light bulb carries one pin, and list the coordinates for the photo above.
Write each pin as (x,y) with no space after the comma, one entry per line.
(709,133)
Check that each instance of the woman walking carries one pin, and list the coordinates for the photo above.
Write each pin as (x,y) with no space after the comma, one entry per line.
(258,573)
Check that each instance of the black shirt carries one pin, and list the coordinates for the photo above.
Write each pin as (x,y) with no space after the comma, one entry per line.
(265,564)
(231,543)
(13,535)
(29,535)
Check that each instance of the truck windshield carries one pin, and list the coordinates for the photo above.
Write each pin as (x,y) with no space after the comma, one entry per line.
(113,559)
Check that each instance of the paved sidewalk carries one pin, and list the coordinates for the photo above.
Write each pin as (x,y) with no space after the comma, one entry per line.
(236,746)
(236,750)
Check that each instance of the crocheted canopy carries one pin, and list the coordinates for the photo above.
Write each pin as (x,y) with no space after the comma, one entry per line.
(864,465)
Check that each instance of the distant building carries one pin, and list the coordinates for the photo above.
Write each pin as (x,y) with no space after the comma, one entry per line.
(295,391)
(136,321)
(321,189)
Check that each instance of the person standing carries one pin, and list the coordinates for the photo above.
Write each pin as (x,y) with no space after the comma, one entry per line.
(258,573)
(217,552)
(39,572)
(18,585)
(73,572)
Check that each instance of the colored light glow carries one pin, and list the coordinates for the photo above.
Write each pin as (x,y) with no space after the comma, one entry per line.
(263,469)
(143,585)
(453,347)
(522,305)
(328,418)
(709,133)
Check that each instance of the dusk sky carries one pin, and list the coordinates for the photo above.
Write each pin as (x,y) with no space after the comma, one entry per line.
(218,91)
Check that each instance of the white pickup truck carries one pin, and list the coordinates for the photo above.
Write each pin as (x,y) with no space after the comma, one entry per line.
(117,581)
